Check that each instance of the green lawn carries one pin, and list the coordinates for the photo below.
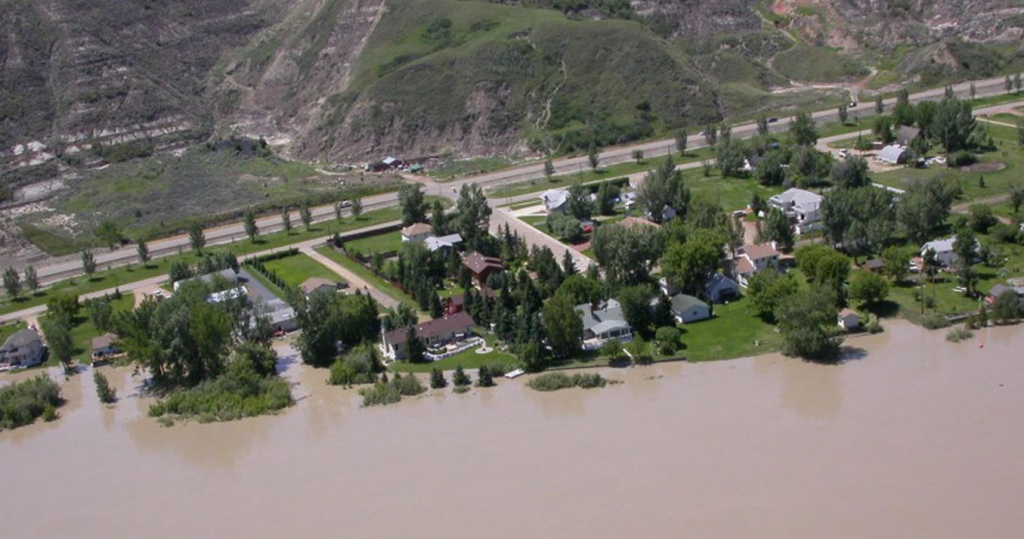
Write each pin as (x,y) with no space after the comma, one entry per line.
(730,193)
(129,274)
(297,268)
(367,275)
(382,243)
(83,330)
(729,334)
(468,360)
(467,167)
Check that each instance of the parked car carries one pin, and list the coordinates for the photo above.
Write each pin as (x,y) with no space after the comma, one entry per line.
(853,104)
(772,120)
(346,203)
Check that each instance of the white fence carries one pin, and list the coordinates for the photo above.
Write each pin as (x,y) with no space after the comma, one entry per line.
(465,345)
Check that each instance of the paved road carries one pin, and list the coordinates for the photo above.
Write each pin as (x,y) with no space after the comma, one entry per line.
(71,267)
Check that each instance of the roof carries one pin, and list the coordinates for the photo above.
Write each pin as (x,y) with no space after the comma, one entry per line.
(848,312)
(417,229)
(478,263)
(593,318)
(633,222)
(24,337)
(891,154)
(554,197)
(874,263)
(717,280)
(757,251)
(798,197)
(907,134)
(743,266)
(313,283)
(433,328)
(103,341)
(434,243)
(999,290)
(944,245)
(609,325)
(682,302)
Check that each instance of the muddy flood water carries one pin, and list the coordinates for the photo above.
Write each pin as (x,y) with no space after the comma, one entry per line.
(915,438)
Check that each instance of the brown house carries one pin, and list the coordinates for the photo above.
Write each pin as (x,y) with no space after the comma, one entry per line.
(435,332)
(481,267)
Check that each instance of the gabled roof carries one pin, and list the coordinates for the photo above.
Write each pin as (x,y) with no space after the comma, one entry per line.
(554,197)
(719,280)
(847,312)
(477,262)
(433,328)
(22,338)
(907,134)
(944,245)
(682,302)
(874,263)
(417,229)
(757,251)
(434,243)
(742,266)
(313,283)
(592,318)
(798,197)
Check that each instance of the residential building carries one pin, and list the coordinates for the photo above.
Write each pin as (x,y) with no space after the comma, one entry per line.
(893,155)
(849,319)
(753,259)
(802,207)
(943,248)
(444,243)
(24,349)
(416,232)
(1000,289)
(874,265)
(555,199)
(603,323)
(481,267)
(319,284)
(436,332)
(103,347)
(721,288)
(687,309)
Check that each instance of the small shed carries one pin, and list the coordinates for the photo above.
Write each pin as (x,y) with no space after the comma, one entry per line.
(849,319)
(688,309)
(103,347)
(874,265)
(893,155)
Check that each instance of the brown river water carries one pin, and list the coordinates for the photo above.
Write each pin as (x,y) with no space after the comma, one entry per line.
(916,437)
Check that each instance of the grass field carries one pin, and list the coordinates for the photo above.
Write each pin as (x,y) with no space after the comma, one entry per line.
(129,274)
(381,243)
(729,334)
(297,268)
(467,167)
(367,275)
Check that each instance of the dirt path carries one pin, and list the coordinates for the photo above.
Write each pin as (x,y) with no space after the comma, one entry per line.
(355,282)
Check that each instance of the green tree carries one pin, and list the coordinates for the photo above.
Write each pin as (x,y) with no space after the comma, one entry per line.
(607,195)
(473,215)
(777,229)
(850,173)
(12,282)
(711,134)
(861,220)
(460,378)
(57,330)
(802,130)
(974,92)
(142,252)
(438,220)
(196,237)
(867,288)
(953,124)
(286,220)
(924,208)
(1016,82)
(251,229)
(305,215)
(1020,131)
(593,156)
(357,207)
(882,128)
(879,105)
(416,349)
(1017,196)
(579,204)
(903,113)
(638,156)
(770,170)
(628,254)
(636,306)
(106,394)
(337,211)
(762,126)
(437,380)
(31,279)
(667,338)
(981,218)
(564,226)
(110,233)
(897,263)
(1007,308)
(966,248)
(681,141)
(843,113)
(483,377)
(611,350)
(549,170)
(101,313)
(563,326)
(689,265)
(664,188)
(413,204)
(767,289)
(88,263)
(805,322)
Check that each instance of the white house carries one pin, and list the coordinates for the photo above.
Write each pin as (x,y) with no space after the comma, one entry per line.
(688,309)
(602,324)
(416,232)
(433,243)
(849,319)
(802,207)
(944,253)
(555,199)
(754,259)
(24,348)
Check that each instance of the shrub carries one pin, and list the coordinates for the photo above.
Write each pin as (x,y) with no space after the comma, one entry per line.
(958,334)
(22,402)
(359,366)
(873,327)
(380,394)
(460,378)
(554,381)
(106,393)
(962,158)
(437,380)
(238,393)
(668,339)
(483,377)
(934,321)
(408,385)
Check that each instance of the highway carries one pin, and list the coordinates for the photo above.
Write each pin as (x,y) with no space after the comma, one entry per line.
(69,267)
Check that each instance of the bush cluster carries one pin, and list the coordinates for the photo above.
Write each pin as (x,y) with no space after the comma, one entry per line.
(958,334)
(22,402)
(554,381)
(239,393)
(384,393)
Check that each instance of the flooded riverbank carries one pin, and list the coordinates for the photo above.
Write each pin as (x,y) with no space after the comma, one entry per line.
(917,438)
